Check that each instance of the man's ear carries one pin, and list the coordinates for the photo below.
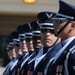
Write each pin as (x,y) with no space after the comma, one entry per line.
(73,25)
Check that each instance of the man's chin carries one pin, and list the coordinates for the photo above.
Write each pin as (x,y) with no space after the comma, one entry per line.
(38,46)
(24,49)
(48,45)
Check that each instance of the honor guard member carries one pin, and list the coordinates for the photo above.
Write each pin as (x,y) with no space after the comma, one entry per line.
(16,41)
(8,49)
(13,53)
(8,52)
(36,43)
(49,40)
(29,41)
(12,48)
(36,36)
(64,24)
(23,47)
(28,36)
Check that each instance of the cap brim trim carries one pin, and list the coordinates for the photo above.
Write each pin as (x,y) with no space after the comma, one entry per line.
(21,35)
(16,40)
(62,17)
(11,43)
(49,24)
(36,32)
(46,26)
(28,33)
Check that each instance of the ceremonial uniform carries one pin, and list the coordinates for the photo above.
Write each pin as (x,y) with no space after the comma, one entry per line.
(60,61)
(47,28)
(14,36)
(24,65)
(7,70)
(41,61)
(49,55)
(28,36)
(63,62)
(10,47)
(36,43)
(21,59)
(24,54)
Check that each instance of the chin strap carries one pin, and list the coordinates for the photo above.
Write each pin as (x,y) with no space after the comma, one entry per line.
(55,42)
(63,28)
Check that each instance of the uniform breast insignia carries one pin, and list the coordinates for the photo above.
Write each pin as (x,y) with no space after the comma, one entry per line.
(59,70)
(29,73)
(40,73)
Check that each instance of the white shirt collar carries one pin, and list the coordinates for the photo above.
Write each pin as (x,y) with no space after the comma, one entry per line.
(65,41)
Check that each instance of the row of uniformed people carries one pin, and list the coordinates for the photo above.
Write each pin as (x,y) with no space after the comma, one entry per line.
(25,42)
(36,42)
(57,34)
(61,59)
(25,37)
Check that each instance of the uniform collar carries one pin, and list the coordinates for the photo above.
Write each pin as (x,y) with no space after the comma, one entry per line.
(30,52)
(45,49)
(65,41)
